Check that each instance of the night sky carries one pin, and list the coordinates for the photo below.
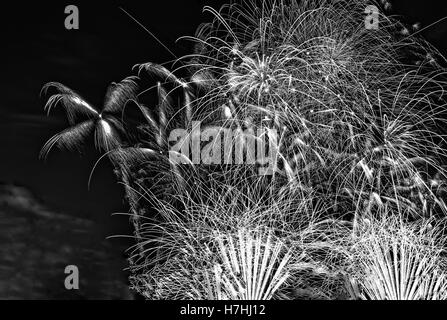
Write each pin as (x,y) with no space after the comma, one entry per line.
(37,49)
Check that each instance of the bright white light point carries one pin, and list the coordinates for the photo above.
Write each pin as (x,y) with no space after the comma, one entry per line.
(106,127)
(227,112)
(77,100)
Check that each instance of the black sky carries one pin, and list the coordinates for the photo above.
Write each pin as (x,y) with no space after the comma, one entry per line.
(37,49)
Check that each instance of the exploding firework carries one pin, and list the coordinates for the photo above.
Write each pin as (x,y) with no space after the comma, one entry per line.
(358,114)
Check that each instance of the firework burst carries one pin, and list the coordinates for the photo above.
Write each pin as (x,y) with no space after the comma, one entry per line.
(359,116)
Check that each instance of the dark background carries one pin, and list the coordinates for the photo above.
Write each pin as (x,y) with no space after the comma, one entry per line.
(36,48)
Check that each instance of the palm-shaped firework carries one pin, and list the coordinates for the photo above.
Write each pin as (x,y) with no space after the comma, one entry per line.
(102,123)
